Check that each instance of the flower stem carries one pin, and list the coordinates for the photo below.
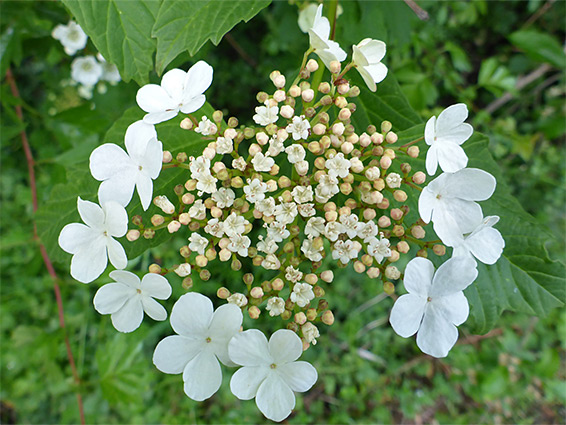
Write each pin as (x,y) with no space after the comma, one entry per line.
(406,145)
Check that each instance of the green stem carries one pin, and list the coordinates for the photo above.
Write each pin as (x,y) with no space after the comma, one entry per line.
(406,145)
(332,15)
(303,64)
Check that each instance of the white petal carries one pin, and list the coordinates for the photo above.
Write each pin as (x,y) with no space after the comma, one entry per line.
(161,116)
(454,275)
(73,236)
(368,78)
(430,131)
(418,276)
(130,316)
(144,185)
(173,83)
(226,322)
(300,376)
(436,335)
(274,398)
(115,219)
(153,158)
(451,117)
(153,98)
(457,135)
(451,157)
(118,188)
(194,104)
(427,203)
(202,376)
(108,160)
(90,261)
(91,213)
(197,80)
(111,297)
(454,308)
(486,245)
(249,348)
(321,24)
(246,381)
(373,50)
(377,71)
(155,286)
(153,309)
(137,138)
(471,184)
(191,315)
(407,314)
(127,278)
(285,346)
(432,160)
(116,254)
(174,352)
(466,214)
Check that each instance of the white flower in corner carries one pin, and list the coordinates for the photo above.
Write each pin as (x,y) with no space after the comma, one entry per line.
(319,36)
(86,70)
(202,340)
(93,243)
(270,372)
(449,201)
(127,298)
(71,36)
(444,135)
(120,172)
(179,91)
(435,303)
(367,56)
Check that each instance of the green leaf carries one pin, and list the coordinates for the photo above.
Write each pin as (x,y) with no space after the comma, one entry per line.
(540,46)
(495,77)
(186,25)
(121,31)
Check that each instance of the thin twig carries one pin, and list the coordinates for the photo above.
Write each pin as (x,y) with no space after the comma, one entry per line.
(419,11)
(31,172)
(541,11)
(238,48)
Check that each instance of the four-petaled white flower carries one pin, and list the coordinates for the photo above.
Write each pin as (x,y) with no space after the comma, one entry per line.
(86,70)
(266,115)
(202,340)
(71,36)
(444,135)
(120,172)
(299,128)
(379,248)
(93,243)
(435,303)
(270,372)
(262,163)
(449,201)
(319,36)
(127,298)
(338,166)
(198,243)
(179,91)
(367,56)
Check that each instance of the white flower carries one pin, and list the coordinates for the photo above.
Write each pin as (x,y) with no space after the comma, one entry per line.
(266,115)
(448,201)
(302,294)
(224,145)
(266,206)
(299,128)
(215,227)
(206,127)
(306,17)
(198,210)
(315,227)
(292,274)
(310,332)
(198,166)
(198,243)
(271,262)
(277,231)
(311,251)
(302,194)
(286,212)
(444,136)
(183,269)
(332,230)
(127,298)
(262,163)
(484,243)
(224,197)
(345,251)
(206,182)
(271,372)
(234,225)
(86,70)
(179,91)
(275,146)
(319,36)
(367,56)
(327,187)
(71,36)
(306,210)
(164,204)
(435,303)
(267,245)
(393,180)
(366,231)
(120,172)
(238,299)
(275,306)
(202,340)
(239,164)
(92,243)
(338,166)
(379,248)
(110,72)
(239,244)
(349,223)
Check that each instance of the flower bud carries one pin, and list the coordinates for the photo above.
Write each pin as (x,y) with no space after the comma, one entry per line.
(284,182)
(325,101)
(327,318)
(418,232)
(279,95)
(236,264)
(388,288)
(341,102)
(295,91)
(318,291)
(279,81)
(181,157)
(392,272)
(148,233)
(391,137)
(384,221)
(181,270)
(347,147)
(311,279)
(398,230)
(344,88)
(312,313)
(419,177)
(400,196)
(386,127)
(372,173)
(319,129)
(413,151)
(164,204)
(369,214)
(188,199)
(187,283)
(300,318)
(302,168)
(308,95)
(186,124)
(224,255)
(233,122)
(254,312)
(373,272)
(385,162)
(173,226)
(191,185)
(354,92)
(237,182)
(256,292)
(324,88)
(338,129)
(272,184)
(422,253)
(330,215)
(312,65)
(223,293)
(439,249)
(396,214)
(261,98)
(133,235)
(167,157)
(359,267)
(315,147)
(394,256)
(403,247)
(157,220)
(335,67)
(286,112)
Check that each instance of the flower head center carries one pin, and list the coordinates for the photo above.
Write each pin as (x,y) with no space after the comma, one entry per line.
(208,340)
(138,291)
(140,167)
(429,299)
(273,366)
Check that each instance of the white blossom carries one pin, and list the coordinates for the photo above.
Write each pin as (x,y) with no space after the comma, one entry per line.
(315,227)
(206,127)
(224,197)
(286,212)
(71,36)
(332,230)
(484,243)
(238,299)
(379,248)
(198,166)
(299,129)
(275,306)
(302,294)
(310,333)
(266,115)
(86,70)
(267,245)
(302,194)
(198,243)
(275,146)
(183,269)
(110,71)
(319,35)
(262,163)
(345,251)
(307,16)
(215,228)
(292,274)
(239,164)
(206,182)
(271,262)
(278,231)
(393,180)
(235,225)
(367,56)
(327,187)
(366,231)
(349,223)
(198,210)
(338,166)
(239,244)
(266,206)
(255,191)
(224,145)
(306,210)
(311,251)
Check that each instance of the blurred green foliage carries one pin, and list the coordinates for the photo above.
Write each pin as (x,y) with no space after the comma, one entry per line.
(472,52)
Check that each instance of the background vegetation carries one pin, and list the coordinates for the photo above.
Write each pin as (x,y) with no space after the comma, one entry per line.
(480,53)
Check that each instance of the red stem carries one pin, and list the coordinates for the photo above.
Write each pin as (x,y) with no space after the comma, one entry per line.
(46,260)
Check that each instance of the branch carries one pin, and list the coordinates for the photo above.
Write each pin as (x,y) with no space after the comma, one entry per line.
(419,11)
(31,172)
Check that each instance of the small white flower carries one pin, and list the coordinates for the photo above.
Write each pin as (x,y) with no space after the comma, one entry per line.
(71,36)
(126,299)
(206,182)
(266,115)
(306,17)
(278,231)
(275,146)
(306,210)
(202,340)
(164,204)
(215,228)
(110,72)
(292,274)
(327,187)
(310,332)
(267,245)
(262,163)
(393,180)
(367,56)
(286,212)
(224,197)
(379,248)
(266,206)
(345,251)
(86,70)
(179,91)
(295,153)
(302,194)
(255,191)
(238,299)
(198,210)
(206,127)
(310,251)
(299,128)
(120,172)
(435,303)
(198,166)
(239,244)
(319,35)
(315,227)
(338,166)
(93,243)
(302,294)
(332,230)
(444,136)
(239,164)
(349,223)
(234,225)
(183,269)
(198,243)
(271,372)
(366,231)
(275,306)
(484,243)
(271,262)
(224,145)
